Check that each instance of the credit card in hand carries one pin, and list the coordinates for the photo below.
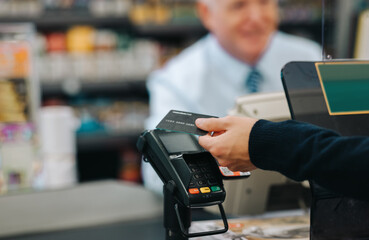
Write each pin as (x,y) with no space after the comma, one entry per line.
(180,121)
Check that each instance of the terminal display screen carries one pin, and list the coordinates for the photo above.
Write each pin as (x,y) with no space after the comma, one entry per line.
(178,142)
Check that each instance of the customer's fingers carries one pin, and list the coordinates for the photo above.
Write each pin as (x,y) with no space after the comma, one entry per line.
(211,124)
(206,141)
(212,143)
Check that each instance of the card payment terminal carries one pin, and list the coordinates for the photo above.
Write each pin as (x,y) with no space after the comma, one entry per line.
(191,176)
(179,159)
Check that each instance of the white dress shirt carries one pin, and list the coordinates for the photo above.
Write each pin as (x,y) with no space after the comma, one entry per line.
(205,79)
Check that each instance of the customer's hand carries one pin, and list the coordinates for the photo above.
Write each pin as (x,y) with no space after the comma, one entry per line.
(230,142)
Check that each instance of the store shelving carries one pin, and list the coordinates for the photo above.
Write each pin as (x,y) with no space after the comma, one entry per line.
(130,88)
(51,21)
(19,105)
(59,21)
(178,30)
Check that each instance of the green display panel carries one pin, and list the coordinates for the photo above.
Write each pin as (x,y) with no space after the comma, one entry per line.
(345,87)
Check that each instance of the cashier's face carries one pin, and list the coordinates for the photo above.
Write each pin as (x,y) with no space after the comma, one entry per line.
(242,27)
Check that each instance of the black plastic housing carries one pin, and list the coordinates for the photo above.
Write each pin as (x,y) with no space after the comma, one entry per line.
(174,167)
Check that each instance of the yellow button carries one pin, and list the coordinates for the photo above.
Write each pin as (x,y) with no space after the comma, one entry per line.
(205,190)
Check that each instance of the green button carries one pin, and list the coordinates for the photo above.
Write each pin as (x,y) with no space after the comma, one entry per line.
(215,189)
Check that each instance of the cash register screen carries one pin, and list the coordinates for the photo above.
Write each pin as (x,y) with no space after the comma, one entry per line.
(345,87)
(312,100)
(178,142)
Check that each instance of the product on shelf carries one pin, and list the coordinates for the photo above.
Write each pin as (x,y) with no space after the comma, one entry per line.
(14,58)
(57,130)
(130,165)
(12,103)
(23,8)
(15,74)
(87,54)
(103,8)
(150,12)
(112,116)
(38,8)
(157,12)
(105,40)
(18,106)
(184,12)
(56,42)
(80,39)
(18,153)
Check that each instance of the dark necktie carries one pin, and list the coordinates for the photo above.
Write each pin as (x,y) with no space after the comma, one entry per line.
(253,81)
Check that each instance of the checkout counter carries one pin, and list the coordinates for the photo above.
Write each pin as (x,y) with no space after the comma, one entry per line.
(98,210)
(118,210)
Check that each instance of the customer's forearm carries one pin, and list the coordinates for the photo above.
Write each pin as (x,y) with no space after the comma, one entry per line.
(303,151)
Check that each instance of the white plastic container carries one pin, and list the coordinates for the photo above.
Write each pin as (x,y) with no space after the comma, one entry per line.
(57,127)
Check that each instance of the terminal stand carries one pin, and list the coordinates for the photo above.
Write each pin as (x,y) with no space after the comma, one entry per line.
(177,217)
(171,223)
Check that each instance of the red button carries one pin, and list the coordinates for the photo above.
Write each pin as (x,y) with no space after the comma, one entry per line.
(194,190)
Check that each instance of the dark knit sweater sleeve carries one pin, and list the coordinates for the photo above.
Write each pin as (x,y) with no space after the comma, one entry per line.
(303,151)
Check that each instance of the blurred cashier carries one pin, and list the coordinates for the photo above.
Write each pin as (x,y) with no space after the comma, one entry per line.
(243,54)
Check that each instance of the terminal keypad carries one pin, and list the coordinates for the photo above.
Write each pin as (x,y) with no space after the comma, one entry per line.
(202,181)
